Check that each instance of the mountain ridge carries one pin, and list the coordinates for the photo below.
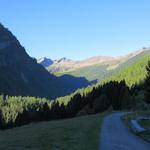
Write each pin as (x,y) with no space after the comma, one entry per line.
(102,72)
(22,75)
(44,61)
(66,65)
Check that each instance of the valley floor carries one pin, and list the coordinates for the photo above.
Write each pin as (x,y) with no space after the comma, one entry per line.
(80,133)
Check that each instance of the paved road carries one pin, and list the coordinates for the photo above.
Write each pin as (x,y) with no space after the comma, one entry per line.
(116,136)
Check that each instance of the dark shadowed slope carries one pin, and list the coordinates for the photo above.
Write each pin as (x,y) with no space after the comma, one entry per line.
(116,136)
(73,83)
(22,75)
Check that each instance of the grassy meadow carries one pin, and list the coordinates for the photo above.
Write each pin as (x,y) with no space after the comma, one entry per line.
(80,133)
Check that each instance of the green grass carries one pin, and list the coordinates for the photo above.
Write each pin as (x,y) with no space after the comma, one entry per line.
(144,123)
(93,72)
(127,118)
(80,133)
(132,71)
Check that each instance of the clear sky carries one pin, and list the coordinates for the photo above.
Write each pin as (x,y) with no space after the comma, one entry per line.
(78,29)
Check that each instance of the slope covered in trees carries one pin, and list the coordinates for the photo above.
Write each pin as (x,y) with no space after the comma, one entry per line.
(147,84)
(94,72)
(16,111)
(22,75)
(133,72)
(102,72)
(29,78)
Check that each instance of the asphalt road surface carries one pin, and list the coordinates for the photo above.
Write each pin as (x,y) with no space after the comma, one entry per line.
(116,136)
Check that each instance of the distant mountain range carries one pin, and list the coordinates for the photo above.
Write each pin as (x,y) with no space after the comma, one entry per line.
(64,64)
(45,61)
(22,75)
(96,68)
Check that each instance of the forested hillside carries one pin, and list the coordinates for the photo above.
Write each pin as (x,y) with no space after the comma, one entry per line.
(22,75)
(16,111)
(134,71)
(94,72)
(102,72)
(93,99)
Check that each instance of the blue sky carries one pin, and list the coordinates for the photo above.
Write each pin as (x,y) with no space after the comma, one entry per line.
(78,29)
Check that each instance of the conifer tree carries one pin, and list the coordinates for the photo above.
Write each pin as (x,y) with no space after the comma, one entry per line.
(147,84)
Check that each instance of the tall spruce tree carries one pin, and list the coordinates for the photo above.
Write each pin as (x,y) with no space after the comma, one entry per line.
(147,84)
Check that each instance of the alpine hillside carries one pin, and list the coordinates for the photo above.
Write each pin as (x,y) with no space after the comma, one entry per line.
(99,67)
(22,75)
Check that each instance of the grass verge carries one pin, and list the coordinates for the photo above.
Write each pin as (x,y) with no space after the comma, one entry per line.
(144,123)
(80,133)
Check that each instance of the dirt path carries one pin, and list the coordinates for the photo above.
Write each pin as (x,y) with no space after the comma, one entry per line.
(116,136)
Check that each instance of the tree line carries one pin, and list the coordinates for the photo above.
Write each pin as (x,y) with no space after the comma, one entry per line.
(17,111)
